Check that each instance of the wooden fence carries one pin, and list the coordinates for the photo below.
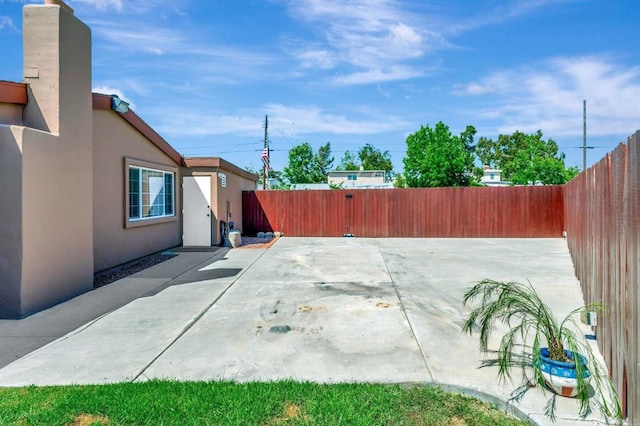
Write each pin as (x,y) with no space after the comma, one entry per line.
(535,211)
(602,217)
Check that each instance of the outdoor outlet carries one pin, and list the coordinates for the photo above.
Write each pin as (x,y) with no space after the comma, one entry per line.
(590,318)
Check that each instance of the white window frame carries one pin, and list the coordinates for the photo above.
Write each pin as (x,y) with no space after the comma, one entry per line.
(158,169)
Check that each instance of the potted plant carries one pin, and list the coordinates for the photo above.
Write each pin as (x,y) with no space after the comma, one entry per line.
(548,351)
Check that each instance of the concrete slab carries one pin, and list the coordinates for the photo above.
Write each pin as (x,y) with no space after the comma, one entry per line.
(323,309)
(20,337)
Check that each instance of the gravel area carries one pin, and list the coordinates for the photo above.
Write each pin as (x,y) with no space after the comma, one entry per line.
(111,275)
(115,274)
(255,242)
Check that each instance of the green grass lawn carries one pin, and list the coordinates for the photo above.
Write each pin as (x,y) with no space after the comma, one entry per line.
(225,403)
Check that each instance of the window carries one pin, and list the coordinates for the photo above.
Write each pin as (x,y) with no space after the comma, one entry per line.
(352,177)
(151,193)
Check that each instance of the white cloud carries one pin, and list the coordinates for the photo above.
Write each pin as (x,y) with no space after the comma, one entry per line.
(136,7)
(549,96)
(185,54)
(504,11)
(312,119)
(404,40)
(374,35)
(394,73)
(116,5)
(366,35)
(305,119)
(496,83)
(7,22)
(383,92)
(142,37)
(316,58)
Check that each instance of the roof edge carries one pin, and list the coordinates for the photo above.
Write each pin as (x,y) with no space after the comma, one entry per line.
(217,162)
(13,93)
(103,102)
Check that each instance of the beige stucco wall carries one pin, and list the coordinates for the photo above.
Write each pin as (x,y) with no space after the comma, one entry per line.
(233,194)
(114,140)
(10,114)
(56,219)
(50,176)
(11,223)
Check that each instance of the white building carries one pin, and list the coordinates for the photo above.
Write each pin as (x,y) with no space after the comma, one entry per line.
(492,177)
(358,179)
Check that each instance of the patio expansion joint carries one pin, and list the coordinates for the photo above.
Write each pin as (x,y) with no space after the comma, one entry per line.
(196,318)
(406,317)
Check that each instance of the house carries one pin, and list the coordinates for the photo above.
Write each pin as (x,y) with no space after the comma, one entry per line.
(309,186)
(358,179)
(212,198)
(85,183)
(492,177)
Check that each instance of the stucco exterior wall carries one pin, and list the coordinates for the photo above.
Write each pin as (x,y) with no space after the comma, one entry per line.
(57,235)
(10,114)
(231,196)
(115,140)
(49,178)
(11,223)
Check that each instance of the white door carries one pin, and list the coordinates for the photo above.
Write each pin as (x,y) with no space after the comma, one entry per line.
(196,198)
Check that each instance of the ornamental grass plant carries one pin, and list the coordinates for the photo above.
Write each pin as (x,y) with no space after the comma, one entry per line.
(533,327)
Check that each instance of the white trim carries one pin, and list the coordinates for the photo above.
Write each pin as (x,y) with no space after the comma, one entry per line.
(165,170)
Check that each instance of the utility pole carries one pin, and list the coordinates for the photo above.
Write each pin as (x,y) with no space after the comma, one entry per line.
(265,153)
(584,135)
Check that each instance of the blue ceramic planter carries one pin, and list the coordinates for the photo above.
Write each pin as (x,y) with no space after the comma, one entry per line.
(560,376)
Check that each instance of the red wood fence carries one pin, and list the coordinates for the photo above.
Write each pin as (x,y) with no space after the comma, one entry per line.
(602,210)
(534,211)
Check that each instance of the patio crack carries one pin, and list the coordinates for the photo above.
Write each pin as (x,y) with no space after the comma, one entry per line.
(406,317)
(195,319)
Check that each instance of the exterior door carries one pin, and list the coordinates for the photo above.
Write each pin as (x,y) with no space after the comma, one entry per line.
(197,217)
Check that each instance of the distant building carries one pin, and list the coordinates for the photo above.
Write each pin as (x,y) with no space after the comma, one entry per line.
(307,186)
(492,177)
(358,179)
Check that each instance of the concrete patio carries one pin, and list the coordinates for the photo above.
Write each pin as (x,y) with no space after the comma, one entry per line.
(324,309)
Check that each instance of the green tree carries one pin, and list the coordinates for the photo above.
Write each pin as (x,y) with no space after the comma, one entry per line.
(323,163)
(306,167)
(437,158)
(369,158)
(275,176)
(400,181)
(348,162)
(372,158)
(525,158)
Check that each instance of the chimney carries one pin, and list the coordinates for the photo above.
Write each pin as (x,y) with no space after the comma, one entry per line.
(57,67)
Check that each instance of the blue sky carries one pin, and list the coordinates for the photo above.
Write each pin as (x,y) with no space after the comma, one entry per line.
(205,73)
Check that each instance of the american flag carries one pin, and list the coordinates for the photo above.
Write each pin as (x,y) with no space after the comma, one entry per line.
(265,158)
